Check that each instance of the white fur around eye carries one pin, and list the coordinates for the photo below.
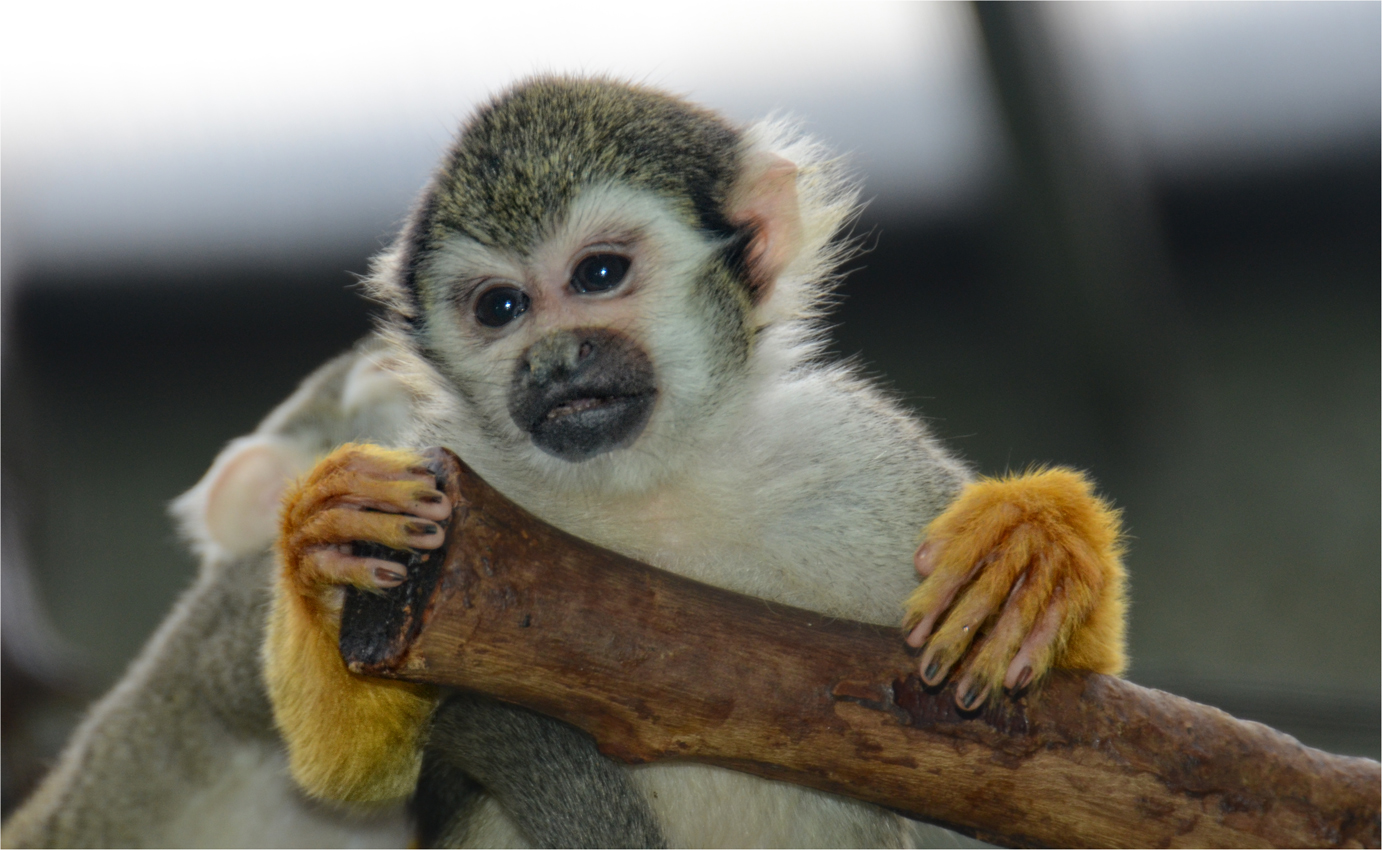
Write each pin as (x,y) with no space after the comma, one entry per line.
(460,269)
(621,219)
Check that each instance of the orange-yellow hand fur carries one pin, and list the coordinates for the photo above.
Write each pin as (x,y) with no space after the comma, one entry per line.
(349,737)
(1030,566)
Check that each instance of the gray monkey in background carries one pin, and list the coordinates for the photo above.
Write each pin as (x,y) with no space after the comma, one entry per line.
(183,751)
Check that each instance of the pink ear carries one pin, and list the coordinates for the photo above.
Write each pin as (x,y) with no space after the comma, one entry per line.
(242,503)
(765,198)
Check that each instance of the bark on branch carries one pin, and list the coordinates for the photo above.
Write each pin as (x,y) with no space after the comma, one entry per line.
(656,666)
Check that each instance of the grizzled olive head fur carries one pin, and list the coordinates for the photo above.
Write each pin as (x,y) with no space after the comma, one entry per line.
(527,154)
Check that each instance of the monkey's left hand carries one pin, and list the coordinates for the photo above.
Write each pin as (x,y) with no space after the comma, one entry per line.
(1031,567)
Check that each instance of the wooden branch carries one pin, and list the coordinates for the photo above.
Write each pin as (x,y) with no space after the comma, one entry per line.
(656,666)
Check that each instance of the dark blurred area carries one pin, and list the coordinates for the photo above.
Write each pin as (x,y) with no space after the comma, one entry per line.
(1204,340)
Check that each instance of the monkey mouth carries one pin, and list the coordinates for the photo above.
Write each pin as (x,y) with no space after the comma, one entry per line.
(582,393)
(578,422)
(586,404)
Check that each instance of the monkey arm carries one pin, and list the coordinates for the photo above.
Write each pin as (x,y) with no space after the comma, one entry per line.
(548,777)
(349,737)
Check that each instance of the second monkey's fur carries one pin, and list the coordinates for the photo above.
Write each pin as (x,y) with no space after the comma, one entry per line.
(183,751)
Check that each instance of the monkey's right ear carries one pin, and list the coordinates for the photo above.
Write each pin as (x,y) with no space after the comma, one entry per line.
(765,199)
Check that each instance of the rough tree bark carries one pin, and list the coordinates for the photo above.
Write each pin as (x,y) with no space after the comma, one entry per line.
(656,666)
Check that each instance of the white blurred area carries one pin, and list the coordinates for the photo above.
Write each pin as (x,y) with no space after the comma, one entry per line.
(1203,87)
(232,128)
(159,133)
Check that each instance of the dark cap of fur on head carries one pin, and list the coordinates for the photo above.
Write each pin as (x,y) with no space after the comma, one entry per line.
(526,155)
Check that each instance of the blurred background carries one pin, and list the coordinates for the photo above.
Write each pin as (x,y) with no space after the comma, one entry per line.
(1139,239)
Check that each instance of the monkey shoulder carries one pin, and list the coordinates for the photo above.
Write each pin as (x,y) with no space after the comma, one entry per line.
(855,479)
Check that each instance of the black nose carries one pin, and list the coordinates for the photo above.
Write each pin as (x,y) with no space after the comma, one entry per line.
(558,356)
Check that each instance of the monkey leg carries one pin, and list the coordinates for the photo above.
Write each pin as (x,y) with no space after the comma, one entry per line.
(547,776)
(1028,571)
(349,737)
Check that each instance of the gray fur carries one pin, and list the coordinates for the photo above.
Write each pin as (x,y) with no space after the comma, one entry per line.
(548,776)
(183,750)
(190,699)
(191,710)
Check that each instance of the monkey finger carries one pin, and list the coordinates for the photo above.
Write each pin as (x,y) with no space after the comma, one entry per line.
(424,504)
(972,691)
(333,565)
(933,596)
(403,467)
(417,474)
(946,647)
(930,602)
(374,460)
(949,642)
(925,558)
(984,671)
(922,630)
(371,461)
(343,525)
(1033,658)
(1001,573)
(397,496)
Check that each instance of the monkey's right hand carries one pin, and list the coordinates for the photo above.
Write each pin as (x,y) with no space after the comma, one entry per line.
(349,737)
(359,493)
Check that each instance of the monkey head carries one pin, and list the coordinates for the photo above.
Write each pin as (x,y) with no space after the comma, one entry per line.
(591,274)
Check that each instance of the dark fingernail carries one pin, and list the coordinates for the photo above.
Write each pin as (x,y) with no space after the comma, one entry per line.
(1024,677)
(422,528)
(386,574)
(431,498)
(931,670)
(972,695)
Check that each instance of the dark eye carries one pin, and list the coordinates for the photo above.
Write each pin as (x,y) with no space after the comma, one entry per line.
(501,305)
(599,272)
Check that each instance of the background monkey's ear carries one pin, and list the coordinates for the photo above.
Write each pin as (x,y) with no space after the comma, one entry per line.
(233,510)
(764,199)
(242,503)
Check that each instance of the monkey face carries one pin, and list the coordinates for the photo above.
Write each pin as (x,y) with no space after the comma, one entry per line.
(619,328)
(591,275)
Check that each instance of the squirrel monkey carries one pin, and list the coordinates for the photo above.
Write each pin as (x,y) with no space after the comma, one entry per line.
(608,302)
